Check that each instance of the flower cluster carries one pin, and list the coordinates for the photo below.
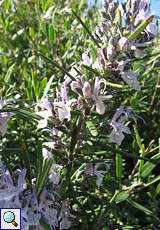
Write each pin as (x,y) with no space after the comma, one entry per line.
(95,77)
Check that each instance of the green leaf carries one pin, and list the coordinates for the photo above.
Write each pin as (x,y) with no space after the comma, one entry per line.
(3,20)
(92,128)
(38,173)
(91,207)
(64,182)
(48,86)
(66,25)
(38,12)
(33,95)
(8,75)
(100,200)
(43,175)
(114,85)
(142,208)
(73,139)
(117,150)
(42,85)
(158,189)
(51,33)
(39,152)
(150,165)
(140,28)
(119,167)
(155,179)
(138,139)
(84,32)
(31,32)
(11,149)
(26,162)
(29,95)
(85,27)
(91,69)
(6,26)
(6,162)
(122,196)
(9,110)
(55,64)
(35,82)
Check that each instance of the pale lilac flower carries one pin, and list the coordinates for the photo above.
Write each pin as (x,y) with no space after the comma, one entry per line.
(131,79)
(100,106)
(121,65)
(46,112)
(92,171)
(47,108)
(86,60)
(128,75)
(136,47)
(53,176)
(10,190)
(45,207)
(65,223)
(88,169)
(99,174)
(116,135)
(67,79)
(64,105)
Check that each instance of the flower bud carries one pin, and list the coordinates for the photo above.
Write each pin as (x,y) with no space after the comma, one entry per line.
(104,53)
(71,157)
(105,27)
(122,44)
(105,4)
(111,7)
(110,52)
(79,143)
(58,122)
(74,85)
(80,103)
(86,89)
(112,41)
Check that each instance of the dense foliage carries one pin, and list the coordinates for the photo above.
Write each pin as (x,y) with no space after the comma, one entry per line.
(64,84)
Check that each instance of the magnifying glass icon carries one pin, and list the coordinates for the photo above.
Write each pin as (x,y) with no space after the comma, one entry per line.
(9,217)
